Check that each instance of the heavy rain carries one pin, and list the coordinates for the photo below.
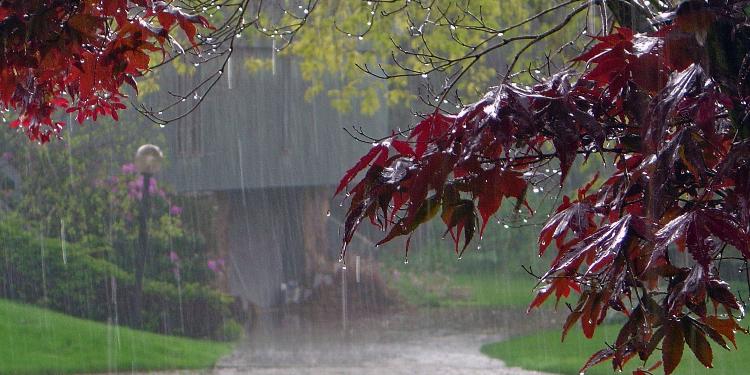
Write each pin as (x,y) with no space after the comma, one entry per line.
(374,187)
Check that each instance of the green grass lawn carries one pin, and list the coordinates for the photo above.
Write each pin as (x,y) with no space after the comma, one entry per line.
(543,351)
(482,289)
(38,341)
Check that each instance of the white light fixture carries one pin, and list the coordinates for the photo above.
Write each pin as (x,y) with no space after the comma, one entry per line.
(148,159)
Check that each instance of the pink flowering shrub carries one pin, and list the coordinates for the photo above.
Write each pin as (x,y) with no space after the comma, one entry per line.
(174,255)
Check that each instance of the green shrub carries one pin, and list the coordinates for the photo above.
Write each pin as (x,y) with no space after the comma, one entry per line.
(70,279)
(231,330)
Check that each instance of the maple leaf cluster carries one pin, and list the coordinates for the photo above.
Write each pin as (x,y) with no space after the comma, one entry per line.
(669,111)
(77,55)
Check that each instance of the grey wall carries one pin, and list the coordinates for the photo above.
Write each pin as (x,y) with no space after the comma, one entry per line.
(263,133)
(265,242)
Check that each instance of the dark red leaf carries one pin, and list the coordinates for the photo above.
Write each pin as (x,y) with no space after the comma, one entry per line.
(696,340)
(457,217)
(672,346)
(493,186)
(726,327)
(576,216)
(403,148)
(696,226)
(377,152)
(604,244)
(597,358)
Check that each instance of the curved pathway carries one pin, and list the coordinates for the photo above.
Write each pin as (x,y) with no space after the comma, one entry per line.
(418,342)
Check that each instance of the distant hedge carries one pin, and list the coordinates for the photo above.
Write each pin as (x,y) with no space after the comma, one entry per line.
(80,281)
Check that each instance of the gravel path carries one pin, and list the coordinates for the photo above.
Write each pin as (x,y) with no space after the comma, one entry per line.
(451,354)
(422,342)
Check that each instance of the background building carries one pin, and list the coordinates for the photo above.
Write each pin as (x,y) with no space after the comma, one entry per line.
(270,170)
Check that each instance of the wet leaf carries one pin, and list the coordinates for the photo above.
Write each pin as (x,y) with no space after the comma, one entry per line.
(672,346)
(726,327)
(696,341)
(597,358)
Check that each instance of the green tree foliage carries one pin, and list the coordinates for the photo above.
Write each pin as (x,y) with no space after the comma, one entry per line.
(343,39)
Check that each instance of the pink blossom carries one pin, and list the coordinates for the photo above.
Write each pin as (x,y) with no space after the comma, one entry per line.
(135,188)
(175,210)
(174,257)
(216,265)
(128,168)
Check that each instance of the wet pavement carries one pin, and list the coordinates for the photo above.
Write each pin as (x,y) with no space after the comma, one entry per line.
(437,341)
